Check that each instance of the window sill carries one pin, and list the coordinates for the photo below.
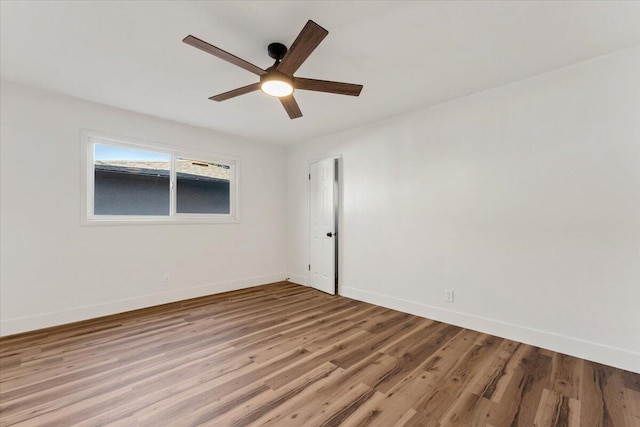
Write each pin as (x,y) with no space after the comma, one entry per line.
(186,220)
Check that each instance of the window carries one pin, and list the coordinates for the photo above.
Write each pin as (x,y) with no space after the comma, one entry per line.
(127,182)
(202,187)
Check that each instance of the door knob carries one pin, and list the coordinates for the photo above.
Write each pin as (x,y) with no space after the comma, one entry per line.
(329,234)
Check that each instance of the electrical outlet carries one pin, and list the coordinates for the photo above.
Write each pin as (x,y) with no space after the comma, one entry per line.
(166,280)
(448,295)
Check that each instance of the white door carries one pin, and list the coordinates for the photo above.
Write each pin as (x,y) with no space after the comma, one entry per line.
(322,251)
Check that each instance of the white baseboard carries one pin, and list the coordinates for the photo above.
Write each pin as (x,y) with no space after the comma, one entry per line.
(45,320)
(298,279)
(612,356)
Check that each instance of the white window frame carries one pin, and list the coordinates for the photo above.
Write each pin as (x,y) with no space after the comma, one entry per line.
(88,217)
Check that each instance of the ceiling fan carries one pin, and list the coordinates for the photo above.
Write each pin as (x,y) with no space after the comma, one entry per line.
(278,80)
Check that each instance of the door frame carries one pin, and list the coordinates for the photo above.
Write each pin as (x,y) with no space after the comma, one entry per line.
(337,212)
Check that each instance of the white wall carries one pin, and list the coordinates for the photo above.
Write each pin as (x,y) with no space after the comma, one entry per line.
(523,199)
(55,271)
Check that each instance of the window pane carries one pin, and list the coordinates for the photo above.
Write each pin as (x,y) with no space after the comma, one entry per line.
(130,182)
(203,187)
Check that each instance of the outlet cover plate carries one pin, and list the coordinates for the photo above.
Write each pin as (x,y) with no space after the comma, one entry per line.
(448,295)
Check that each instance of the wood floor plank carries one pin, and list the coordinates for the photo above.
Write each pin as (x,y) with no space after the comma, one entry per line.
(373,370)
(314,358)
(287,355)
(441,395)
(389,408)
(371,343)
(402,345)
(295,409)
(254,410)
(507,406)
(496,373)
(615,409)
(536,377)
(419,354)
(152,371)
(556,409)
(591,414)
(469,410)
(331,405)
(566,373)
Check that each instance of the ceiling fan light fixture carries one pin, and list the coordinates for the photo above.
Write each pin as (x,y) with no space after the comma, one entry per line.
(276,84)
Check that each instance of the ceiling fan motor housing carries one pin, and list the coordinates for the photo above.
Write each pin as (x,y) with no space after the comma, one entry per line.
(277,51)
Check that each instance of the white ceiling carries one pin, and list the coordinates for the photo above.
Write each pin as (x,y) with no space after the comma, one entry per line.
(406,54)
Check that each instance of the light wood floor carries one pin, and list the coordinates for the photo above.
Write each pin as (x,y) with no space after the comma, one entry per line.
(288,355)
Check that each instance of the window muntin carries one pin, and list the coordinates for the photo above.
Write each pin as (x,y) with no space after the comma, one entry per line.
(143,183)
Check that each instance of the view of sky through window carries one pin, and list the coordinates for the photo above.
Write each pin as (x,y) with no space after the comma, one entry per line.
(106,152)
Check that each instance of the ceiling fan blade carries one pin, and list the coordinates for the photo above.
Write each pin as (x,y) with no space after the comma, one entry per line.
(327,86)
(289,103)
(216,51)
(306,42)
(236,92)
